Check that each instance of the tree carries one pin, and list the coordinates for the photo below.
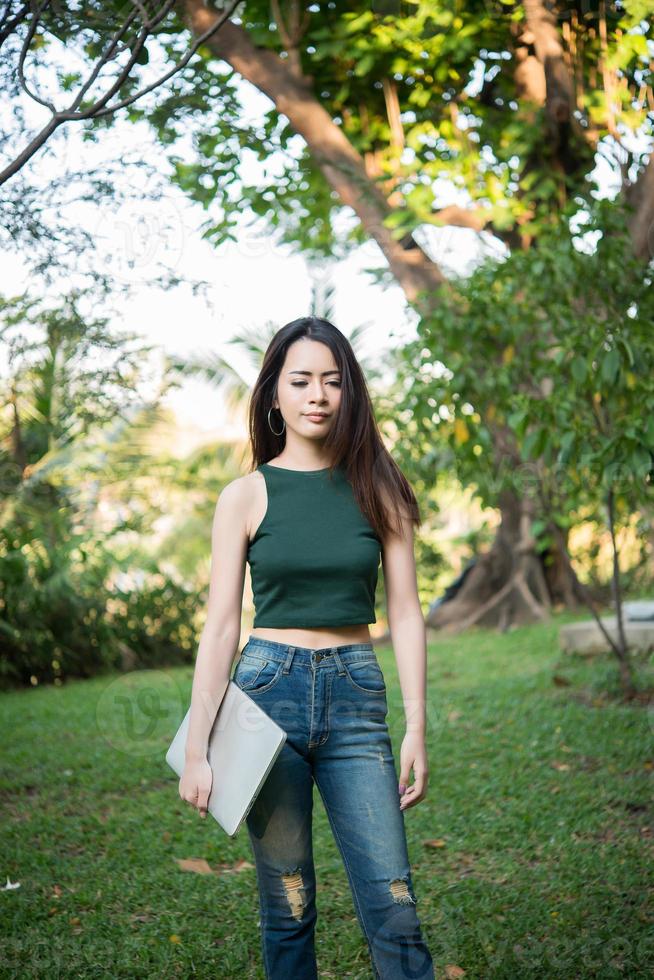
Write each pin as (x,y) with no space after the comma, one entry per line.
(578,397)
(514,103)
(599,416)
(73,426)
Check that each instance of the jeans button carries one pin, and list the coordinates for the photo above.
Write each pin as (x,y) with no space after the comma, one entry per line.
(318,657)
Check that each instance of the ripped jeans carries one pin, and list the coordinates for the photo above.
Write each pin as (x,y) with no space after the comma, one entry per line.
(332,704)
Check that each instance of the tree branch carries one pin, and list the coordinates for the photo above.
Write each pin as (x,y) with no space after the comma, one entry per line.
(23,55)
(559,93)
(547,80)
(9,24)
(106,56)
(292,33)
(341,165)
(477,219)
(640,195)
(100,107)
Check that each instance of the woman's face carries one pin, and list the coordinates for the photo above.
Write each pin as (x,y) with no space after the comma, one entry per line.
(309,382)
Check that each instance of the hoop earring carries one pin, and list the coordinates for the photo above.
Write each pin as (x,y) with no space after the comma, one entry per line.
(270,426)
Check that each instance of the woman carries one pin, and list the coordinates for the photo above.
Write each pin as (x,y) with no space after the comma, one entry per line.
(324,503)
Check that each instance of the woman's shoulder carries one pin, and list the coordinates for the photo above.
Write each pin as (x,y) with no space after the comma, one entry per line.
(237,494)
(241,496)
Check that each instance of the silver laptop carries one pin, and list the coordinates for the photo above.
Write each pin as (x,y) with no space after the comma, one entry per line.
(243,745)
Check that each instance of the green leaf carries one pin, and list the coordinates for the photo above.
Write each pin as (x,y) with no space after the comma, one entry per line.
(518,421)
(143,56)
(534,443)
(538,526)
(610,366)
(364,65)
(641,461)
(624,343)
(649,432)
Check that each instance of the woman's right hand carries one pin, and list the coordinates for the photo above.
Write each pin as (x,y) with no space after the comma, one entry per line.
(195,784)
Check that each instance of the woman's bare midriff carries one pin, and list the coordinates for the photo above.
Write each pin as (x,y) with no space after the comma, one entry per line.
(315,639)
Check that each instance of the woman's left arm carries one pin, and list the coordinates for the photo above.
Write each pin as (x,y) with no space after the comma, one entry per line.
(407,627)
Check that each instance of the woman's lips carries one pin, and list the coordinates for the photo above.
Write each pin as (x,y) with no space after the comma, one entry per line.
(317,418)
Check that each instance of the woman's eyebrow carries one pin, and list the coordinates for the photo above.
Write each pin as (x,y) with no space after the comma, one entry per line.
(309,372)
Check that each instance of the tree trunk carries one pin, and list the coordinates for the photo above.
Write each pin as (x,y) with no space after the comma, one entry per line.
(509,585)
(562,582)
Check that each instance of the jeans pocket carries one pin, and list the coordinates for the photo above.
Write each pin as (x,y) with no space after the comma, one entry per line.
(256,674)
(366,676)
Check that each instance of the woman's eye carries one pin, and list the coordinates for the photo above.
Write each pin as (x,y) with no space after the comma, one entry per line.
(301,384)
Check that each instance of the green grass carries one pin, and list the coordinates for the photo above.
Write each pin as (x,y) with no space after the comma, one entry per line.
(541,794)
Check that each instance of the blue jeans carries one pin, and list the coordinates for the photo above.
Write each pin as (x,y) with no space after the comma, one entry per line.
(332,704)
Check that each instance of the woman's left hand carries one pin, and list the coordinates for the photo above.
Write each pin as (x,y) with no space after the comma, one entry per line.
(413,755)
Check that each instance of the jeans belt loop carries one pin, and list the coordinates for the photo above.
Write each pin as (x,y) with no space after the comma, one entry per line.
(338,661)
(289,660)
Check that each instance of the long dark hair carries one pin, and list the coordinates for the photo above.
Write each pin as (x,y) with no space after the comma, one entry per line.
(354,442)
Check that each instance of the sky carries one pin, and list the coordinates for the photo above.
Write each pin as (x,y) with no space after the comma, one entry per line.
(252,282)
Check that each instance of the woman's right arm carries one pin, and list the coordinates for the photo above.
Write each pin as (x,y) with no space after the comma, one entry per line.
(219,640)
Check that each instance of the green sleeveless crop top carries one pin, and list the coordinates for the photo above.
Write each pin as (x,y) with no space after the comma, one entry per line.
(314,559)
